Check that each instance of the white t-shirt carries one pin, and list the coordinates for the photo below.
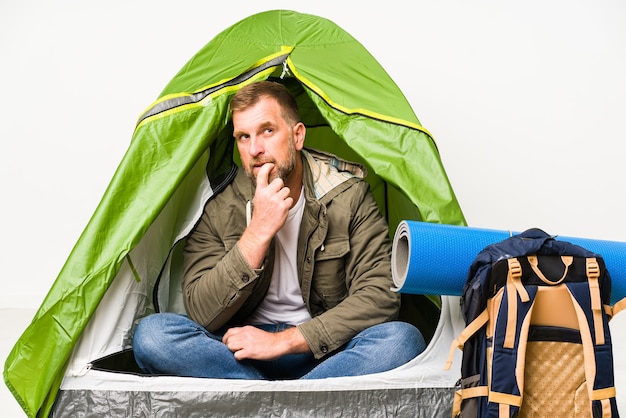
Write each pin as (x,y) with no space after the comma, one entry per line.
(283,302)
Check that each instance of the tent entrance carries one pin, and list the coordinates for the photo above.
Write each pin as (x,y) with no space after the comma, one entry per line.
(419,310)
(122,362)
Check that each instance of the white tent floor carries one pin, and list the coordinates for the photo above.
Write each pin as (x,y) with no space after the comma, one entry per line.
(14,321)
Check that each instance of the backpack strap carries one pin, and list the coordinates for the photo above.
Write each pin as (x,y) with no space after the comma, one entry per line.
(514,287)
(619,306)
(459,342)
(466,334)
(593,276)
(510,334)
(602,395)
(467,393)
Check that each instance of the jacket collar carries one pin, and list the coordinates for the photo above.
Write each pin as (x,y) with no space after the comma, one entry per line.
(327,171)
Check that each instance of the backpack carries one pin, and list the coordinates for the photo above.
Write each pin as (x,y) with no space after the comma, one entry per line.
(537,341)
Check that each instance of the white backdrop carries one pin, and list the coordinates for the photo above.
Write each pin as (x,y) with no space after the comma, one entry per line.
(526,101)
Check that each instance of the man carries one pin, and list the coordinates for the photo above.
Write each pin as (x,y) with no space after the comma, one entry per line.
(287,274)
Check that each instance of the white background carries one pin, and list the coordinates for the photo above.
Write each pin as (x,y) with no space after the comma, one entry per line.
(526,101)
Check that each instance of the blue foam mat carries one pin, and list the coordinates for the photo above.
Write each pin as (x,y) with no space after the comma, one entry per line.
(434,259)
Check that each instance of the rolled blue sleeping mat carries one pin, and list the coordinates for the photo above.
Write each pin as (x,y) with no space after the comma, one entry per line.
(434,259)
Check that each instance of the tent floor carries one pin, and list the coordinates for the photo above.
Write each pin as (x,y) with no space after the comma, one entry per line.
(405,402)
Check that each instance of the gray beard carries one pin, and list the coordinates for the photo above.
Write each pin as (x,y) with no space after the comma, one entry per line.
(283,171)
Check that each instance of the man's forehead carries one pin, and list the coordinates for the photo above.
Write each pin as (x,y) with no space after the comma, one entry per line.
(260,114)
(256,125)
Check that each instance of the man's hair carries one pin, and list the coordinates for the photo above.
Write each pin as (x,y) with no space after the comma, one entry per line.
(252,93)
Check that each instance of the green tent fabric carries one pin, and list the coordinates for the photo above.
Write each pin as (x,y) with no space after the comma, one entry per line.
(351,107)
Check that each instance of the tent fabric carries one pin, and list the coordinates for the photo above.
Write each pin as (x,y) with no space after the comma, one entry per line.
(181,152)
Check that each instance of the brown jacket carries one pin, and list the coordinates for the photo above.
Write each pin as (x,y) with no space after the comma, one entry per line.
(344,259)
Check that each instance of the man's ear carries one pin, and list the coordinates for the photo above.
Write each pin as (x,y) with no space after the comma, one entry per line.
(299,132)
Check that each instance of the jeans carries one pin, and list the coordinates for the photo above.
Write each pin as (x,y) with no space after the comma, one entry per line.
(173,344)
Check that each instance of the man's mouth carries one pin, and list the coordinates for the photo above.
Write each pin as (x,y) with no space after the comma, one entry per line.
(258,164)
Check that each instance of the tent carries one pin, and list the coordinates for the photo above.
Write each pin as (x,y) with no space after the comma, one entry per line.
(75,358)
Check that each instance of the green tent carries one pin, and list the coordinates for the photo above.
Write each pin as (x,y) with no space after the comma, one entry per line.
(126,263)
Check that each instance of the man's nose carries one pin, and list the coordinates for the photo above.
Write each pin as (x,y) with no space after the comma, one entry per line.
(256,146)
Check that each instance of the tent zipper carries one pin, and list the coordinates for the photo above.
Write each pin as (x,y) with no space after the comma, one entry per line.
(186,99)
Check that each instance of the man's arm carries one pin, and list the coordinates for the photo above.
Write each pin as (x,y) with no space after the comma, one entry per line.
(271,207)
(223,257)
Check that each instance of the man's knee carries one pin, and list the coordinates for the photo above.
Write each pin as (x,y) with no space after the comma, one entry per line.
(152,335)
(403,336)
(405,332)
(413,335)
(146,336)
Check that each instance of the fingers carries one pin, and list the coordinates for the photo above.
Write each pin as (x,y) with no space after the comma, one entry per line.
(249,342)
(229,339)
(272,193)
(235,340)
(264,179)
(263,176)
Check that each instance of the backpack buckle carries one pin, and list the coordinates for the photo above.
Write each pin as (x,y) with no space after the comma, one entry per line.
(515,268)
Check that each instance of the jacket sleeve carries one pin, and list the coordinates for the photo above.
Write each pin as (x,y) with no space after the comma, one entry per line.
(368,280)
(217,280)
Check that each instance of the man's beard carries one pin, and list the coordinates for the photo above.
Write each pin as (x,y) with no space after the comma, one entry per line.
(282,170)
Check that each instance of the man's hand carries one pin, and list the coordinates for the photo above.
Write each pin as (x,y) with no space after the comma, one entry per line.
(271,207)
(271,203)
(249,342)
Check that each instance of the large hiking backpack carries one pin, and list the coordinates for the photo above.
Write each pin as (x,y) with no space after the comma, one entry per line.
(537,341)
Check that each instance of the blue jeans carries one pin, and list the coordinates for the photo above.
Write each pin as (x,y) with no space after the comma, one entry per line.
(173,344)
